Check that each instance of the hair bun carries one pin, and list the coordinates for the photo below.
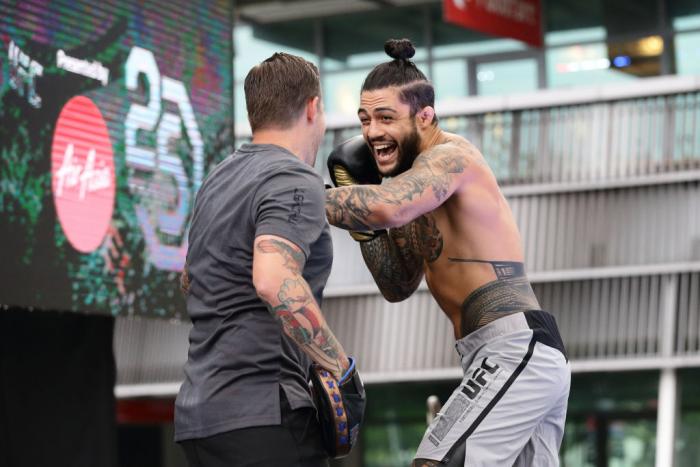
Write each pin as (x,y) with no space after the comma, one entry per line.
(399,49)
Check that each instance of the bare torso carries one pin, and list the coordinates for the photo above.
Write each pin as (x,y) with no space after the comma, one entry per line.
(471,243)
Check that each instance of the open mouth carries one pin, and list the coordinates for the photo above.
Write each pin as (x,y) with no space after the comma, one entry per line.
(384,152)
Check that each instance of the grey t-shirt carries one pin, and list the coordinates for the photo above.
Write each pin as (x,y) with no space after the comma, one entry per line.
(238,355)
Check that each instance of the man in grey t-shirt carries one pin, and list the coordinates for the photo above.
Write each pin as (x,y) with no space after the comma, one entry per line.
(259,255)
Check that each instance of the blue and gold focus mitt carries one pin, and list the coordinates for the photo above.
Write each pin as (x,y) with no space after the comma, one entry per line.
(341,408)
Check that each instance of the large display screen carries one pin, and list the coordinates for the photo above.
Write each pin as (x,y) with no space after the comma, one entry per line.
(111,113)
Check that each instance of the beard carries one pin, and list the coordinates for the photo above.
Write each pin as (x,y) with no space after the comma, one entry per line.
(407,151)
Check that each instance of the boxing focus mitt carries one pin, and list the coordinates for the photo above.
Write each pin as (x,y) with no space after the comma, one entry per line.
(341,408)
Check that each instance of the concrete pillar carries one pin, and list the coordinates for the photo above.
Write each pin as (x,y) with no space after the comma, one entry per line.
(667,414)
(666,419)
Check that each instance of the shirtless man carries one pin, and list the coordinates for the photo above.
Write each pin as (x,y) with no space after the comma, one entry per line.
(448,221)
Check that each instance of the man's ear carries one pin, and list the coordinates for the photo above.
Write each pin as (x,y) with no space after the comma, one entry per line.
(425,117)
(313,107)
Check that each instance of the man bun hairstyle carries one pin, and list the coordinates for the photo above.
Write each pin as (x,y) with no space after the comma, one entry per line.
(414,88)
(277,90)
(399,49)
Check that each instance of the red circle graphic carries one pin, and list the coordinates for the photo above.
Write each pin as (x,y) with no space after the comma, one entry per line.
(82,174)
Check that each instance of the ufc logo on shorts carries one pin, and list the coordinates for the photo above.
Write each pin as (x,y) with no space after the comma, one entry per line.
(479,379)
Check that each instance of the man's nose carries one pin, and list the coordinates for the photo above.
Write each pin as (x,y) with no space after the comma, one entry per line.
(374,132)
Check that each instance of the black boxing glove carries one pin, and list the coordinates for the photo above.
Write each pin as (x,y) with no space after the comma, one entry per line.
(352,163)
(341,408)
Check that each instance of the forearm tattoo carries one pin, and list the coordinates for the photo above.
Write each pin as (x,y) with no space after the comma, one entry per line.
(430,177)
(396,261)
(302,321)
(510,293)
(297,310)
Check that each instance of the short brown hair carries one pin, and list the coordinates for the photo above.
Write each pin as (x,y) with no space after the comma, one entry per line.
(277,90)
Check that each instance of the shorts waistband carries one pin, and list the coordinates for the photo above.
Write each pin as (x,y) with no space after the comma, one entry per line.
(500,327)
(542,323)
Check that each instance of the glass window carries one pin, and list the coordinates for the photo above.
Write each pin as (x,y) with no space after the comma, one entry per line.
(573,15)
(621,17)
(688,53)
(241,114)
(482,47)
(688,432)
(253,44)
(685,14)
(507,77)
(395,421)
(345,47)
(685,23)
(611,420)
(450,79)
(631,442)
(616,17)
(578,65)
(341,91)
(574,36)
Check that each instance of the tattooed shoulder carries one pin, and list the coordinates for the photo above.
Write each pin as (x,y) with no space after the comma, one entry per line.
(439,165)
(450,157)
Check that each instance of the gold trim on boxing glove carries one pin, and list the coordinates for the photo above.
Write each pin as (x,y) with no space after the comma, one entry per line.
(342,176)
(360,236)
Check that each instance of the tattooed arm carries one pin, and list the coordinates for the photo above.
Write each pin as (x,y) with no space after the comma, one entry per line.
(396,260)
(277,266)
(436,174)
(185,282)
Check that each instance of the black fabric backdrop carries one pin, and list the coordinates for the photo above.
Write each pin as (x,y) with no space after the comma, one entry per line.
(57,376)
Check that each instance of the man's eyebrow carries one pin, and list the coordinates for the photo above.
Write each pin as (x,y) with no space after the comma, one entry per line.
(378,109)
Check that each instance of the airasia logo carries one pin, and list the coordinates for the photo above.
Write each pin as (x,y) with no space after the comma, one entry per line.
(82,174)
